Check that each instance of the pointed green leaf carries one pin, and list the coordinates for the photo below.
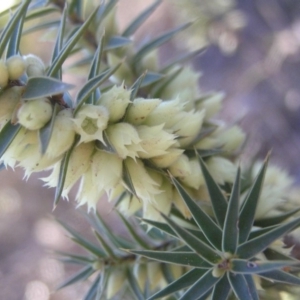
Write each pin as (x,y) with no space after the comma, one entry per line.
(248,209)
(281,276)
(222,289)
(137,22)
(178,258)
(77,238)
(255,267)
(80,276)
(107,145)
(117,42)
(7,135)
(135,87)
(134,286)
(41,26)
(208,152)
(65,52)
(201,286)
(108,250)
(209,228)
(40,12)
(133,233)
(151,77)
(258,244)
(91,85)
(11,25)
(202,249)
(266,222)
(75,259)
(46,132)
(155,43)
(231,231)
(252,286)
(63,171)
(260,231)
(38,87)
(91,293)
(218,200)
(128,181)
(272,254)
(240,287)
(184,281)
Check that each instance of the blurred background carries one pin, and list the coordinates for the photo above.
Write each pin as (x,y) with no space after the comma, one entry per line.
(252,53)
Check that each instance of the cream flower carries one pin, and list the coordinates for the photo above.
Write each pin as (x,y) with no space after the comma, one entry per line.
(166,160)
(144,186)
(181,167)
(63,134)
(211,104)
(130,205)
(90,121)
(115,281)
(34,65)
(116,101)
(154,140)
(139,110)
(15,66)
(125,139)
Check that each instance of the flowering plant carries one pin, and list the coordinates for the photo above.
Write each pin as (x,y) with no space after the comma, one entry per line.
(145,137)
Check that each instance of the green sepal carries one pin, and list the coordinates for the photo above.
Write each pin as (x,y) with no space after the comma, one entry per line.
(8,30)
(222,289)
(135,87)
(107,146)
(91,85)
(219,203)
(7,135)
(78,239)
(201,286)
(189,259)
(199,247)
(155,43)
(258,244)
(67,48)
(281,276)
(248,209)
(255,267)
(42,86)
(240,286)
(231,224)
(209,228)
(83,274)
(63,172)
(182,282)
(140,19)
(46,132)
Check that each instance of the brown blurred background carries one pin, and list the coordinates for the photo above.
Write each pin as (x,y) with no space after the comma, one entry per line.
(253,54)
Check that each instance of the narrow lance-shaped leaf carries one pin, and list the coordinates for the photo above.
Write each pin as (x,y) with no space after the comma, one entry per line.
(134,286)
(14,42)
(38,87)
(117,42)
(158,42)
(252,286)
(189,259)
(184,281)
(7,135)
(46,132)
(248,209)
(141,18)
(92,292)
(80,276)
(201,286)
(203,250)
(255,267)
(281,276)
(63,172)
(231,231)
(240,287)
(218,200)
(258,244)
(91,85)
(40,12)
(11,25)
(65,52)
(221,289)
(135,87)
(209,228)
(151,78)
(107,248)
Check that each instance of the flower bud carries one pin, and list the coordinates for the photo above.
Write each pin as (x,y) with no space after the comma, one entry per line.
(34,65)
(124,139)
(90,122)
(150,61)
(115,282)
(144,186)
(15,66)
(129,205)
(3,74)
(232,138)
(154,140)
(116,101)
(212,105)
(8,102)
(63,134)
(181,167)
(221,169)
(34,114)
(139,110)
(155,275)
(164,161)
